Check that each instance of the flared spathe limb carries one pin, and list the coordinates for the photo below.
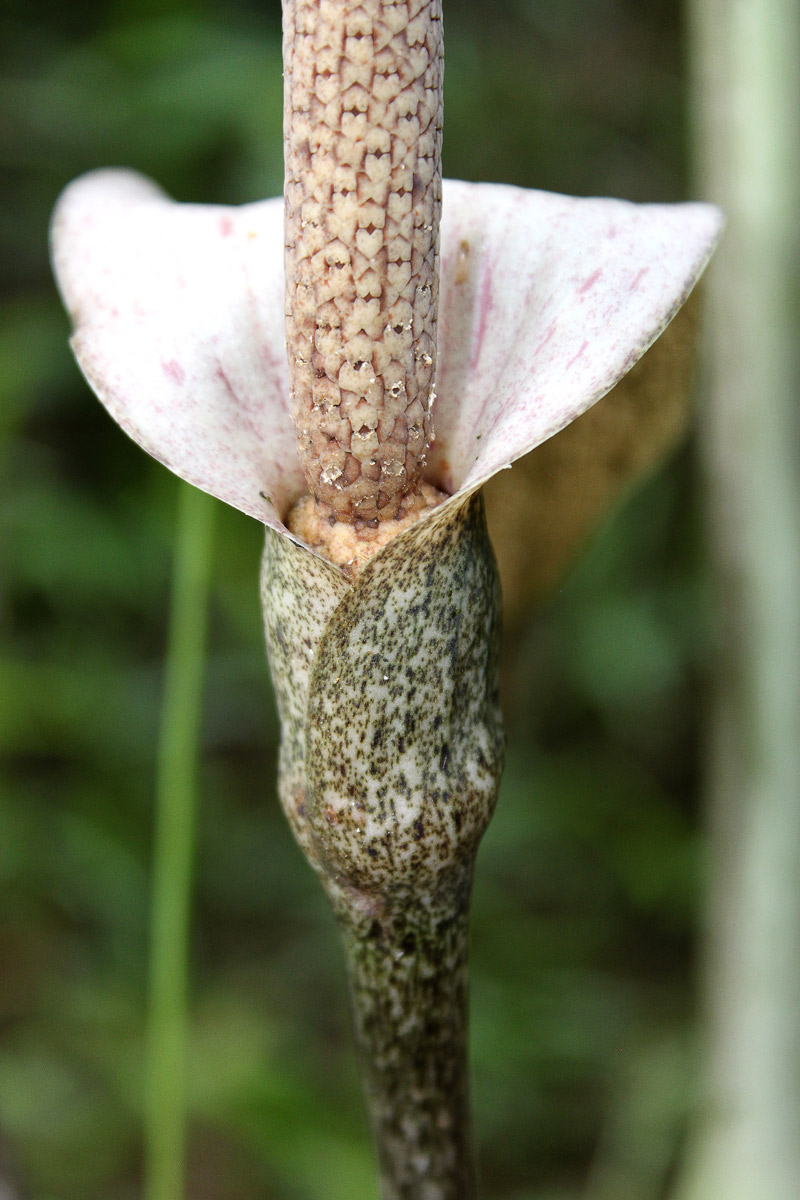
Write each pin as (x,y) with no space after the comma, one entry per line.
(546,302)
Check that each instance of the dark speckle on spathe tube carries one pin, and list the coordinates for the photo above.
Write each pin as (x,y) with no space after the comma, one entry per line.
(392,748)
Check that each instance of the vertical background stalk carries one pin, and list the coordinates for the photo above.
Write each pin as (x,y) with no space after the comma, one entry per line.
(165,1117)
(745,59)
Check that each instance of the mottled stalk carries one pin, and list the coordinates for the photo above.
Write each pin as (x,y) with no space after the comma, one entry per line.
(407,962)
(362,139)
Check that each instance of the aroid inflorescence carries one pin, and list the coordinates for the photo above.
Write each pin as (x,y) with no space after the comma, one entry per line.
(363,456)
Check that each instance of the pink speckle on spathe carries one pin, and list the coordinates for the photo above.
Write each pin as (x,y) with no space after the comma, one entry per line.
(638,277)
(225,226)
(541,344)
(174,370)
(590,282)
(485,307)
(575,357)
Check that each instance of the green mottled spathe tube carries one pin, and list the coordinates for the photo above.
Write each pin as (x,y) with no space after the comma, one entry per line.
(391,756)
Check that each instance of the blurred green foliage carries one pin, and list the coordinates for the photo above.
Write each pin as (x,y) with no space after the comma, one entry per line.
(585,903)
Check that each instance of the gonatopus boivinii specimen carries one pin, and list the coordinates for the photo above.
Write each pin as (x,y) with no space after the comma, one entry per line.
(383,421)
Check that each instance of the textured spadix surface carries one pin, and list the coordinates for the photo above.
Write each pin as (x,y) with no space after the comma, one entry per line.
(545,302)
(363,188)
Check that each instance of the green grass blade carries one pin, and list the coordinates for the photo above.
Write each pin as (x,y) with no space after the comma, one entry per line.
(165,1110)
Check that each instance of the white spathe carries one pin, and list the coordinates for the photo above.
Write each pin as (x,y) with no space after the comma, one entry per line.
(546,301)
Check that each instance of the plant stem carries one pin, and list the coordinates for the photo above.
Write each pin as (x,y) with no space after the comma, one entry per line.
(407,962)
(165,1117)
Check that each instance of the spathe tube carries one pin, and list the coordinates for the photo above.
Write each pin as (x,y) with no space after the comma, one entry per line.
(391,754)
